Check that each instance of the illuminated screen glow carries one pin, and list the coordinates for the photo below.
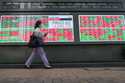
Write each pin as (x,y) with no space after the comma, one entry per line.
(18,28)
(102,27)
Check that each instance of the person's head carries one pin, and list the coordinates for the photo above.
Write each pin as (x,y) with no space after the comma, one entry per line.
(37,24)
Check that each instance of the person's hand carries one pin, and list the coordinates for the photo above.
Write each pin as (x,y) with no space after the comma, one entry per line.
(45,34)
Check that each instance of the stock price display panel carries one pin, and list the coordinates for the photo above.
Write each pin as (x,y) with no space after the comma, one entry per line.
(101,28)
(18,28)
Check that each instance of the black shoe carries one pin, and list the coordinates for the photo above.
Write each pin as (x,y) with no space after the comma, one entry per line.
(48,67)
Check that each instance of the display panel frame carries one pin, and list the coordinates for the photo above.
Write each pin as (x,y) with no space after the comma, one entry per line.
(43,14)
(100,41)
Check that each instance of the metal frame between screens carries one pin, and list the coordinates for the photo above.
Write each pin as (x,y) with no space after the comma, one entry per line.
(75,27)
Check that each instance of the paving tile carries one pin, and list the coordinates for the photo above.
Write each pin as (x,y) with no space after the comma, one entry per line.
(63,75)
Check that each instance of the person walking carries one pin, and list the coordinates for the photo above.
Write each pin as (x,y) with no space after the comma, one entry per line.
(38,49)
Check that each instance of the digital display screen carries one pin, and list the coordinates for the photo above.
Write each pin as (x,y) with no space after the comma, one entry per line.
(101,28)
(18,28)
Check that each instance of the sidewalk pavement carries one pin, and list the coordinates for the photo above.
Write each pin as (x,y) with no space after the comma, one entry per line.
(64,75)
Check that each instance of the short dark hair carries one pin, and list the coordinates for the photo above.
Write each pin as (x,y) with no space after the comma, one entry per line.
(37,24)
